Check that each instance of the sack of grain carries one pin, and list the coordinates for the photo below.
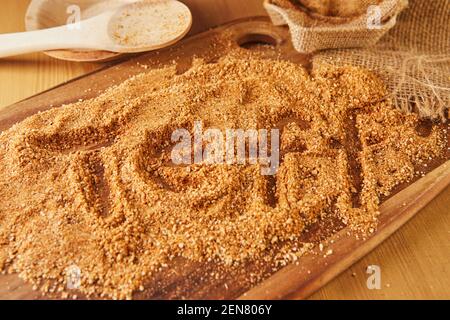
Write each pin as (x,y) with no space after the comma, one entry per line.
(311,30)
(410,51)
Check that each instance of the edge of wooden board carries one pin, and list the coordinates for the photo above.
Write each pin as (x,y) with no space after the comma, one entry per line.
(314,270)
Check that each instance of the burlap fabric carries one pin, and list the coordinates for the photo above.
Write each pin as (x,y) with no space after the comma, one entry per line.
(413,57)
(312,32)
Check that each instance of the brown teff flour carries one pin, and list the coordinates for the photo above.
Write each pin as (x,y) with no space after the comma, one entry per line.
(91,184)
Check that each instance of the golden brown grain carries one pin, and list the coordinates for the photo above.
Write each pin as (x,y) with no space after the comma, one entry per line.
(90,184)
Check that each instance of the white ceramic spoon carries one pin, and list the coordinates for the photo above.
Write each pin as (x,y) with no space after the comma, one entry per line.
(136,27)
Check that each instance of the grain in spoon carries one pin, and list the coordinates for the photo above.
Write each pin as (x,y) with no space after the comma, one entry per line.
(135,27)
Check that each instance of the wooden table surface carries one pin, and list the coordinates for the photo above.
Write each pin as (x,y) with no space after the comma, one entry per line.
(414,262)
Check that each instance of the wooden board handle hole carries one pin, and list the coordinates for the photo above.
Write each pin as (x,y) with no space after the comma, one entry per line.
(252,40)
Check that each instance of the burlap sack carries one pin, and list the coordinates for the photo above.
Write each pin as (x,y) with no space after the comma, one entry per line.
(312,32)
(413,58)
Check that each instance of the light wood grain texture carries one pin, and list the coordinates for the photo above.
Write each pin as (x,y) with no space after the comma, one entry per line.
(316,270)
(414,261)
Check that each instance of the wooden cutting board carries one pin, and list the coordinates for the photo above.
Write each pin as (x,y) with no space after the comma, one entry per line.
(185,279)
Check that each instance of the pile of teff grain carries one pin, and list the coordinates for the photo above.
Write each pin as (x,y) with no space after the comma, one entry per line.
(330,8)
(90,184)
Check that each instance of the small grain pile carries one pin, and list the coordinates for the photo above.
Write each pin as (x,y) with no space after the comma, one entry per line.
(90,184)
(332,8)
(147,24)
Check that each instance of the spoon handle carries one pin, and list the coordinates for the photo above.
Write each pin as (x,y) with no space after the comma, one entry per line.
(42,40)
